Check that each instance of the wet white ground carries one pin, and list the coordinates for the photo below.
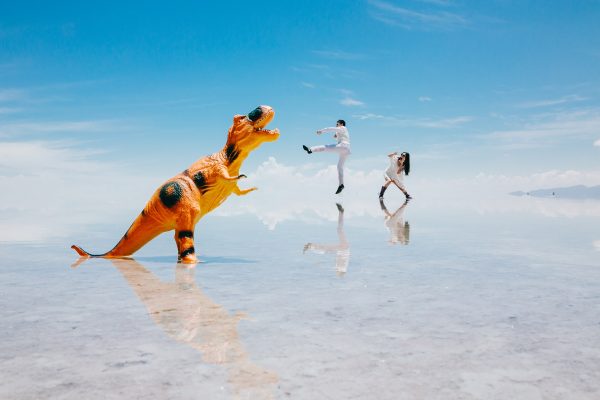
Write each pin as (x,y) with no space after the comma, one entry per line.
(452,305)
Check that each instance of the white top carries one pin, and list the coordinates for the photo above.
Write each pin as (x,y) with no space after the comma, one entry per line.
(340,133)
(392,170)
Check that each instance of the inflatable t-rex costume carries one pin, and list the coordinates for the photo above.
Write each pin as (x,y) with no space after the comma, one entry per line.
(181,201)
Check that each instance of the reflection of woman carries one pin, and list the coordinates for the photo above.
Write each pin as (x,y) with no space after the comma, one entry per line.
(399,166)
(341,250)
(399,229)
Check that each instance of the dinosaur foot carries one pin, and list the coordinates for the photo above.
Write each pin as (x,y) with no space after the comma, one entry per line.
(188,259)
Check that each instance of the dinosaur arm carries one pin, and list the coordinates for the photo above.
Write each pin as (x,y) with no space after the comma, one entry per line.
(224,174)
(241,192)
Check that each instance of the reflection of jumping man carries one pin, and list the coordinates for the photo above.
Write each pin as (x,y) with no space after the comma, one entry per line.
(342,148)
(399,166)
(341,250)
(399,229)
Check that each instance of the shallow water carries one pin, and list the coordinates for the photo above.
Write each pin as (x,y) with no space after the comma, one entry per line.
(428,303)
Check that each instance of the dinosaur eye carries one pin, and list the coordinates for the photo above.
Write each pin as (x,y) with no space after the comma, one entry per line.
(255,114)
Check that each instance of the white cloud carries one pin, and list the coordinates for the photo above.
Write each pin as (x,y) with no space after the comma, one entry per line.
(338,55)
(442,123)
(308,85)
(438,2)
(351,102)
(12,94)
(28,157)
(10,66)
(552,102)
(310,198)
(51,186)
(596,245)
(56,188)
(27,128)
(424,99)
(10,110)
(540,180)
(406,18)
(554,125)
(597,143)
(369,116)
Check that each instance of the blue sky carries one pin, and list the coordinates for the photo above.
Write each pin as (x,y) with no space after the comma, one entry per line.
(470,89)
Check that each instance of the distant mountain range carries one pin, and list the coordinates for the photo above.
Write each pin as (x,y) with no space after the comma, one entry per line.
(571,192)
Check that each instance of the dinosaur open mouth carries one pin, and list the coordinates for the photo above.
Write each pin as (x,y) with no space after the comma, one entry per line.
(261,116)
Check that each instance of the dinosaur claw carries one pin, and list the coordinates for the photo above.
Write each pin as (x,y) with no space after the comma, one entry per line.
(242,176)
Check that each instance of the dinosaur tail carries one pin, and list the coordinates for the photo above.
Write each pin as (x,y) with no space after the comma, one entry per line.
(82,252)
(142,230)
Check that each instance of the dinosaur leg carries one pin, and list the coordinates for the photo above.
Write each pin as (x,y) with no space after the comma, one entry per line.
(184,238)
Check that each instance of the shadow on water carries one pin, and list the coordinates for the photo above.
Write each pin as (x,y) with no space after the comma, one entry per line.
(341,249)
(186,314)
(398,227)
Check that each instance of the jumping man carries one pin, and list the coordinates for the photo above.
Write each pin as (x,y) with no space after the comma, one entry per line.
(342,148)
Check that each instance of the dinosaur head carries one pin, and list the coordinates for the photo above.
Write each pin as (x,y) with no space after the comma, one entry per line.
(248,131)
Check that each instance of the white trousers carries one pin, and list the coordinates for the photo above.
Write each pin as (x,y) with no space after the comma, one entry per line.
(396,179)
(342,149)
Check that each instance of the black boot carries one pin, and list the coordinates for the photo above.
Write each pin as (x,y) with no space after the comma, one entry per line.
(383,189)
(339,189)
(306,149)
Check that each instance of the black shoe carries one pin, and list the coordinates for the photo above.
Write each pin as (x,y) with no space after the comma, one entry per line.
(339,189)
(408,197)
(306,149)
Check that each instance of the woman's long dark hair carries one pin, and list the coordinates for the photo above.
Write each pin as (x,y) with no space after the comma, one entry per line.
(406,164)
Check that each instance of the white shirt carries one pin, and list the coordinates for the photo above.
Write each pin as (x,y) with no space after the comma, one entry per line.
(392,170)
(340,133)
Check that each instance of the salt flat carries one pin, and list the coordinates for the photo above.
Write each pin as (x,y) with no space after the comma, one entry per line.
(419,302)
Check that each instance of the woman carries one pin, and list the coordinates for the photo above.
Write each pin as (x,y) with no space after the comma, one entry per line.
(399,166)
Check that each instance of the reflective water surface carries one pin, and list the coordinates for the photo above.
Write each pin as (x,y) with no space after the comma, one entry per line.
(396,300)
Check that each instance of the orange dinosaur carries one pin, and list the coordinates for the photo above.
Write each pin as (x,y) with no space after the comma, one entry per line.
(181,201)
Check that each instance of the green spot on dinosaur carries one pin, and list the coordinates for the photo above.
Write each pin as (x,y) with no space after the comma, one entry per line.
(255,114)
(170,194)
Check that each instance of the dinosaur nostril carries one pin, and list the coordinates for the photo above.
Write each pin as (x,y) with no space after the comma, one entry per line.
(255,114)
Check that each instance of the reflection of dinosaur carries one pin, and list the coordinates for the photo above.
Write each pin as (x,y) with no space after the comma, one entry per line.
(341,250)
(187,315)
(399,229)
(180,202)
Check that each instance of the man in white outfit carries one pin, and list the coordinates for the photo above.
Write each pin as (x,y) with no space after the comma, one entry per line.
(342,148)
